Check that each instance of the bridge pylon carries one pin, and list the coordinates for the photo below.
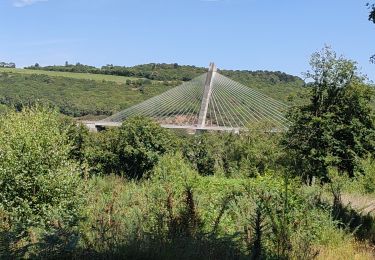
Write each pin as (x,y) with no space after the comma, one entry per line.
(206,95)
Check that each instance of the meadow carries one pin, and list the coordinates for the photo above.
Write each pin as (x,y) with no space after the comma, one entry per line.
(73,75)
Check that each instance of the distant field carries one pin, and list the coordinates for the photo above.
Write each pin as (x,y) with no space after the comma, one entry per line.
(97,77)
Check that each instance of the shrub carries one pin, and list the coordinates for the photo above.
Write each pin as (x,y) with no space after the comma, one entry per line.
(248,154)
(40,185)
(367,180)
(132,150)
(253,152)
(141,143)
(101,152)
(205,152)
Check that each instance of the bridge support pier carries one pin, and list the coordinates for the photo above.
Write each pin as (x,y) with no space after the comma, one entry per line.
(206,96)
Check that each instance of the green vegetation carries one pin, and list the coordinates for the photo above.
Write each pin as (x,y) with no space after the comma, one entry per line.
(143,192)
(150,71)
(75,97)
(131,150)
(40,185)
(73,75)
(336,128)
(244,204)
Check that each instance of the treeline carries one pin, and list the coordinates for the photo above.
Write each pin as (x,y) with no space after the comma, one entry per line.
(152,71)
(7,65)
(162,72)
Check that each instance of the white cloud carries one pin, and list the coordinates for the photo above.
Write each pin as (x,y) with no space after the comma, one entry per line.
(23,3)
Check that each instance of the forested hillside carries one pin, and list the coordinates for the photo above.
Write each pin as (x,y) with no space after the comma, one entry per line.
(79,94)
(162,71)
(75,97)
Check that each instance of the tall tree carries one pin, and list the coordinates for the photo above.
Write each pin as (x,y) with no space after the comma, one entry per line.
(337,127)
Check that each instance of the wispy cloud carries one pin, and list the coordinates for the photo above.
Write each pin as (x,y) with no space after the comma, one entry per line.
(23,3)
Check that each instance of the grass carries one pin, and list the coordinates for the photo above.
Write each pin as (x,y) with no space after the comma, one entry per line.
(345,253)
(347,250)
(87,76)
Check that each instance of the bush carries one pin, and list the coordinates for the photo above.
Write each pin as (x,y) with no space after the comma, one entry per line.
(248,154)
(253,152)
(132,150)
(367,180)
(205,152)
(141,143)
(40,185)
(101,152)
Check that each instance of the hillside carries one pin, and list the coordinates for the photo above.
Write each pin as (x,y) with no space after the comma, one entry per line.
(81,94)
(88,76)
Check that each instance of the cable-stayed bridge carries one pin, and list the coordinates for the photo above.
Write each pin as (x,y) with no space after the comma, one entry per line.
(208,102)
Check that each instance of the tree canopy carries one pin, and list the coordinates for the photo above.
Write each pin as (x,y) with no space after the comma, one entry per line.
(336,128)
(39,181)
(132,150)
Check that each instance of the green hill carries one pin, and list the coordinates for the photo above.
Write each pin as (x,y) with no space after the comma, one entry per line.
(95,94)
(74,75)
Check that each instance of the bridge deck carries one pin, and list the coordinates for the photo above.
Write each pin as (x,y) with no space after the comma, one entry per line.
(187,127)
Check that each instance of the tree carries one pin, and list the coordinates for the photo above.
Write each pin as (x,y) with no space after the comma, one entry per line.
(132,150)
(336,128)
(205,152)
(40,186)
(142,142)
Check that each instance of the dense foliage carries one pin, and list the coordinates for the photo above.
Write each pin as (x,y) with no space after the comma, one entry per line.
(150,71)
(132,150)
(248,155)
(39,183)
(143,192)
(337,127)
(75,97)
(216,196)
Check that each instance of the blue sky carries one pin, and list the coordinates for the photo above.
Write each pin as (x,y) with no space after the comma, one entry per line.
(236,34)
